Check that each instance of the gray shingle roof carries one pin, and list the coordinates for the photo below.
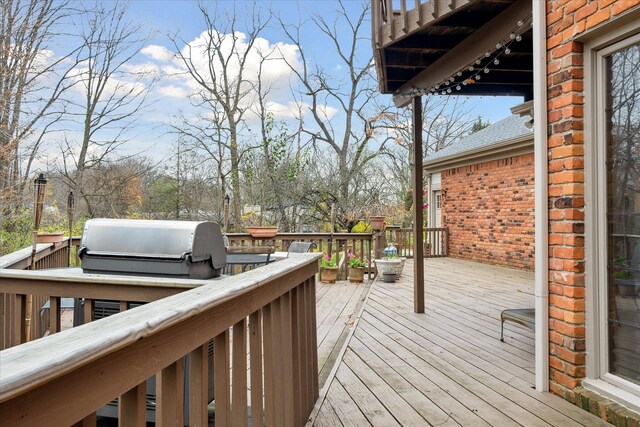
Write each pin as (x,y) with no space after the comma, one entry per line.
(504,130)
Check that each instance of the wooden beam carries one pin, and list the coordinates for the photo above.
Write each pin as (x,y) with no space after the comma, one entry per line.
(467,51)
(418,217)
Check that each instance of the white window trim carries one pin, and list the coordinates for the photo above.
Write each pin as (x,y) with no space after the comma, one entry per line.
(598,377)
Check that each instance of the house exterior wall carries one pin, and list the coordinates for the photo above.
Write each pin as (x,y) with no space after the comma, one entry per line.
(489,209)
(565,80)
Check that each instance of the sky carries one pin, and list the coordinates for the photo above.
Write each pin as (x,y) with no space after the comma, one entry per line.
(168,98)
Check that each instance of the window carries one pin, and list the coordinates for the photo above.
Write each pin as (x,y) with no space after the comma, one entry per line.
(438,198)
(613,218)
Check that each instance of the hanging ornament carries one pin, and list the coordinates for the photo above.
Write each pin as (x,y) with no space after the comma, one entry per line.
(470,67)
(498,45)
(477,77)
(449,90)
(520,23)
(459,73)
(512,36)
(488,54)
(477,62)
(496,61)
(507,51)
(486,70)
(518,38)
(458,87)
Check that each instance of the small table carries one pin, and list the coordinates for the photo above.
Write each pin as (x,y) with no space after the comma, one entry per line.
(249,256)
(522,316)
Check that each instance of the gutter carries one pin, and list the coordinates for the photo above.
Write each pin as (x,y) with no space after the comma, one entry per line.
(515,146)
(541,196)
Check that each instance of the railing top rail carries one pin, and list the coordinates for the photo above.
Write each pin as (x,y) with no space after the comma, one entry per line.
(75,275)
(37,362)
(306,235)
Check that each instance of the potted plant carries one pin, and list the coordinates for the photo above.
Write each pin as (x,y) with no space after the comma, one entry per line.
(262,232)
(356,268)
(328,269)
(54,237)
(377,223)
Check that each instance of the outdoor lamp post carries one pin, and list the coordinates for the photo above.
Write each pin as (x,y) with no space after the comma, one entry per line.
(71,208)
(225,211)
(39,187)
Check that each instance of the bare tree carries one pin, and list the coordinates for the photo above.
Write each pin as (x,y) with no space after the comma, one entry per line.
(355,94)
(445,120)
(32,79)
(113,94)
(218,68)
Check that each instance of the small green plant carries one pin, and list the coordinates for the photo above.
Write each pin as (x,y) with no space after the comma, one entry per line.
(355,262)
(328,262)
(622,275)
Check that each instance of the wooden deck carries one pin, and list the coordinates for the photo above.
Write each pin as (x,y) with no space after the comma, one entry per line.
(445,367)
(336,307)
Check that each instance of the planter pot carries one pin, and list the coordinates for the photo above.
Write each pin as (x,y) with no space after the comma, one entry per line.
(393,265)
(262,232)
(389,277)
(328,274)
(377,223)
(356,274)
(50,237)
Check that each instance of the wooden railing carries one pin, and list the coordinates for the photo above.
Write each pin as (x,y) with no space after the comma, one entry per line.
(64,378)
(436,241)
(48,255)
(394,19)
(360,244)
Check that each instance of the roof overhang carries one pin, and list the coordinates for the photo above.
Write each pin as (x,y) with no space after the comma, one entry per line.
(512,147)
(411,58)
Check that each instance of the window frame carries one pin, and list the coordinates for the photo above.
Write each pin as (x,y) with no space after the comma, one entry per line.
(598,376)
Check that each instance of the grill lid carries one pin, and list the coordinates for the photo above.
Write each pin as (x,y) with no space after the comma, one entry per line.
(171,240)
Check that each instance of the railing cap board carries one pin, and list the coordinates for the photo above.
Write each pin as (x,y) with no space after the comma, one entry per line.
(13,258)
(75,275)
(31,364)
(303,235)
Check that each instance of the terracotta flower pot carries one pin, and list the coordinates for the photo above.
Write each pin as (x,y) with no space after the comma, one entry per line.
(328,274)
(55,237)
(356,274)
(262,232)
(377,223)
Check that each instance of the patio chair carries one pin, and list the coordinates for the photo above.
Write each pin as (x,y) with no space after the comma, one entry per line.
(522,316)
(300,247)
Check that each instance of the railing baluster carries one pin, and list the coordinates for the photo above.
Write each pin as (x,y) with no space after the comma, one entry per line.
(89,310)
(269,366)
(222,383)
(132,407)
(239,375)
(255,348)
(287,360)
(19,331)
(199,386)
(312,344)
(170,395)
(54,315)
(279,373)
(296,345)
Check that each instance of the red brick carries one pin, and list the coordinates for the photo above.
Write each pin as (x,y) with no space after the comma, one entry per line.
(566,303)
(585,11)
(566,380)
(622,6)
(598,18)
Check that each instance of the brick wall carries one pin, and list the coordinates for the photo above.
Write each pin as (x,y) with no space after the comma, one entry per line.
(489,210)
(565,20)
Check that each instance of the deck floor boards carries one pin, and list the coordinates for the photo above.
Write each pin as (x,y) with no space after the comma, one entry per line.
(444,367)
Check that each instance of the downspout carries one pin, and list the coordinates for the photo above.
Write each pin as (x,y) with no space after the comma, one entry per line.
(541,195)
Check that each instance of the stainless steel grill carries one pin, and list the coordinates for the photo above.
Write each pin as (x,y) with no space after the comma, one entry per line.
(188,249)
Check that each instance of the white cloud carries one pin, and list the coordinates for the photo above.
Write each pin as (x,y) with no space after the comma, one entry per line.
(157,52)
(276,71)
(172,91)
